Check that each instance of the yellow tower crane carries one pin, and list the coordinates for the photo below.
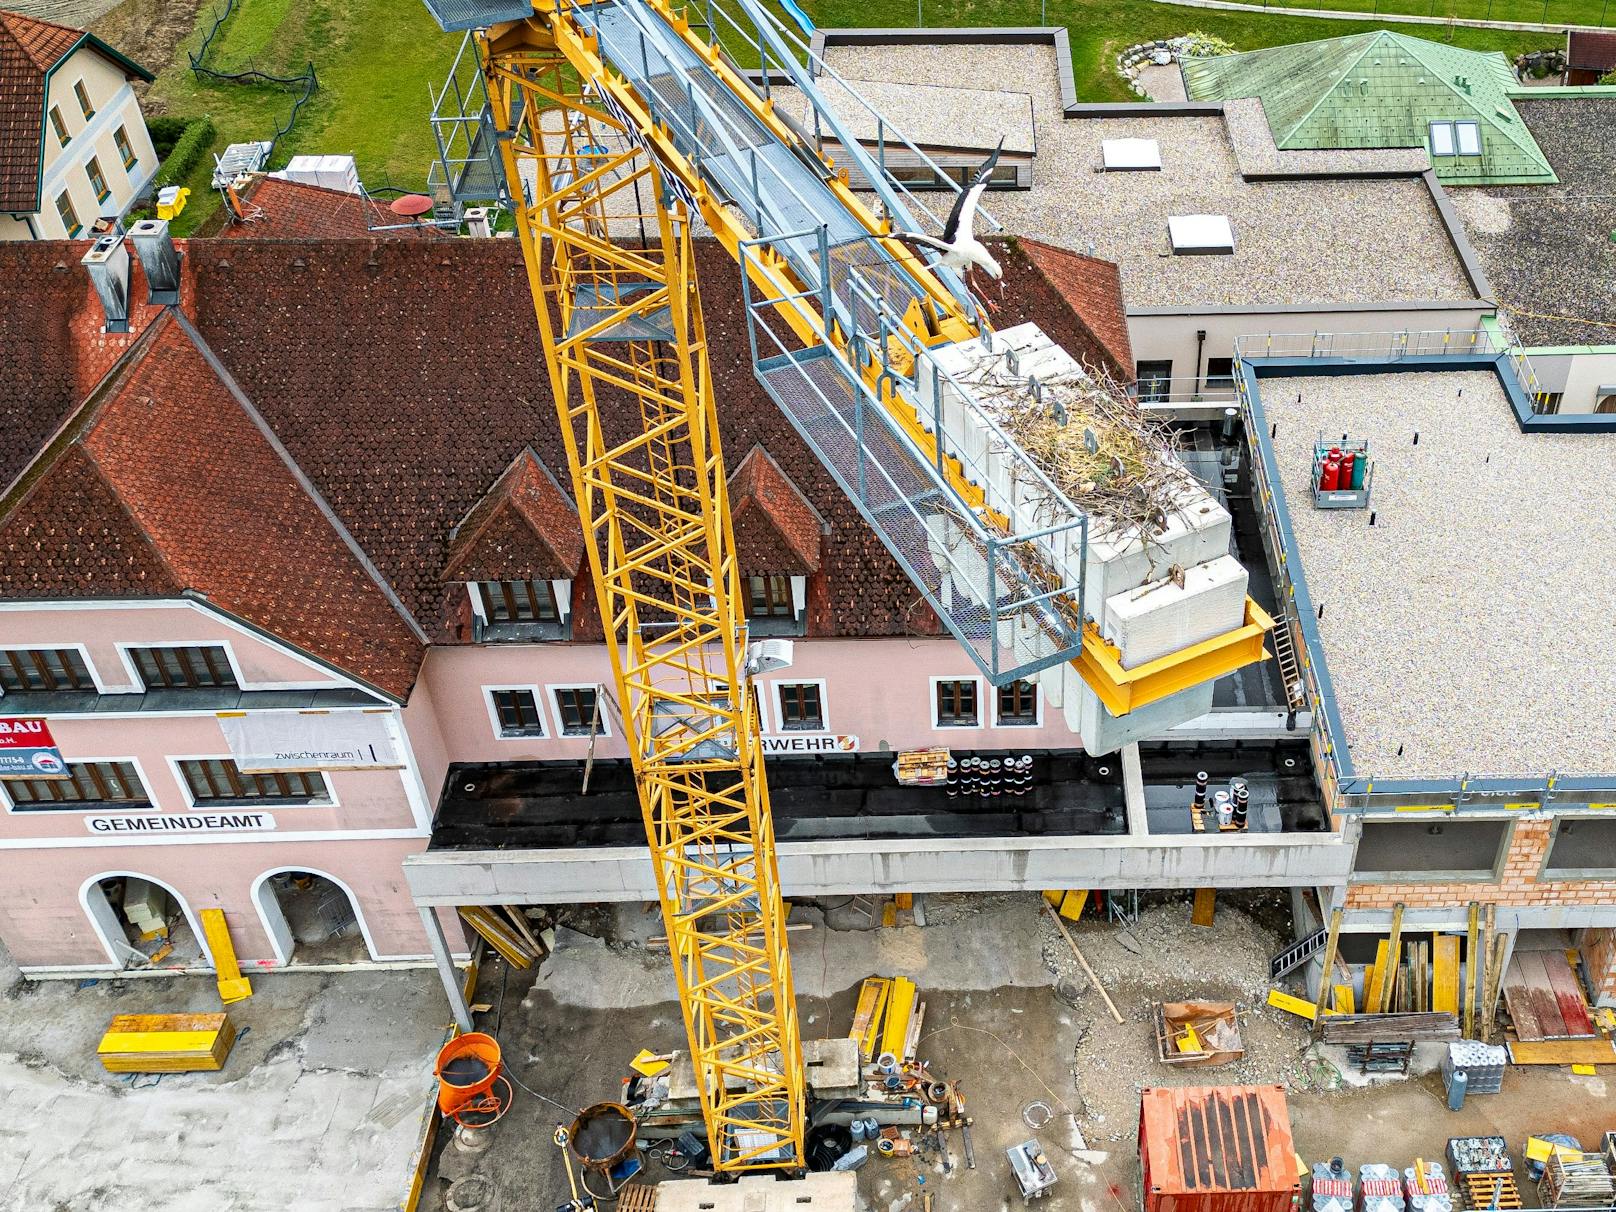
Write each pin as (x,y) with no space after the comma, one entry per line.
(621,125)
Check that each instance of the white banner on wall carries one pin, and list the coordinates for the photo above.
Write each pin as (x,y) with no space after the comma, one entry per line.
(264,742)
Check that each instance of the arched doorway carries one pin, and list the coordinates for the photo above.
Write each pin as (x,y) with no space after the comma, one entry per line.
(311,917)
(143,922)
(1606,405)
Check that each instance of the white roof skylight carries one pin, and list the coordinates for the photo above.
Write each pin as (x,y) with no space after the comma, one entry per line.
(1200,234)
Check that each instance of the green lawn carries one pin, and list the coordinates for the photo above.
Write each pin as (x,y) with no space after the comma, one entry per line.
(376,60)
(1099,29)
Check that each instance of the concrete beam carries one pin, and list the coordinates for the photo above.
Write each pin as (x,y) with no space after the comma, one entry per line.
(1133,792)
(849,867)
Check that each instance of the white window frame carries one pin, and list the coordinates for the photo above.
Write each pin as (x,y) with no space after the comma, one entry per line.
(537,692)
(174,759)
(1459,129)
(605,728)
(1037,708)
(125,649)
(1449,133)
(981,703)
(560,593)
(782,729)
(84,655)
(152,802)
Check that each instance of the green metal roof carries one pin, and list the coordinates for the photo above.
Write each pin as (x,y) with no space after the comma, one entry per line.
(1382,89)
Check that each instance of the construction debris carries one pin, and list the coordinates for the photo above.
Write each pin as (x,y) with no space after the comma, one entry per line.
(1368,1028)
(1197,1034)
(1083,963)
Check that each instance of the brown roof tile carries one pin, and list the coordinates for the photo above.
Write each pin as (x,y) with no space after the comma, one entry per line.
(188,494)
(525,529)
(291,210)
(1591,51)
(1091,290)
(777,529)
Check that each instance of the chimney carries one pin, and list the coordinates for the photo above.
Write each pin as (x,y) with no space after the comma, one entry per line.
(108,263)
(159,259)
(477,222)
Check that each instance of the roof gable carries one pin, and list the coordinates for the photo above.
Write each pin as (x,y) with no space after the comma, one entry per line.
(777,529)
(1379,90)
(30,49)
(1092,289)
(525,528)
(183,491)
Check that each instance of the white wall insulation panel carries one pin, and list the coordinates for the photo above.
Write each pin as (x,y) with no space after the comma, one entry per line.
(1159,618)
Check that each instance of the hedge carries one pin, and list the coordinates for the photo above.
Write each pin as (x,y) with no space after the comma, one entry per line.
(165,132)
(187,153)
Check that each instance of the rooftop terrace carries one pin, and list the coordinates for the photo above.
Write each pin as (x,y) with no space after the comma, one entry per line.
(1288,249)
(1468,628)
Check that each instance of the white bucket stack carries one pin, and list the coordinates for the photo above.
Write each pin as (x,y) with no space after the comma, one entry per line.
(1150,595)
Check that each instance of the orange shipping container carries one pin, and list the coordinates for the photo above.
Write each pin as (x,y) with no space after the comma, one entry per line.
(1217,1149)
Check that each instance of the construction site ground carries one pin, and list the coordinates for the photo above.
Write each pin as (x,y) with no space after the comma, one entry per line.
(1011,1017)
(320,1106)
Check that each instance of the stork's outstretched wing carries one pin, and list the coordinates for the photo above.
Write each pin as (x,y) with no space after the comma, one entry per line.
(963,217)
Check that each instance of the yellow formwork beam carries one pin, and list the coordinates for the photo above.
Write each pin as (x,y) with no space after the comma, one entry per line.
(233,987)
(1445,974)
(900,1008)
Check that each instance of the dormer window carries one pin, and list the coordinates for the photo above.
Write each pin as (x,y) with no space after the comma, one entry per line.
(775,605)
(523,610)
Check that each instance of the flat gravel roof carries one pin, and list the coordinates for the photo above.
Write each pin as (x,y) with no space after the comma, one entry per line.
(1297,241)
(1470,629)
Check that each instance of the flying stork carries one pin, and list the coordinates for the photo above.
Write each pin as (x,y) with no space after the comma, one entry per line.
(961,250)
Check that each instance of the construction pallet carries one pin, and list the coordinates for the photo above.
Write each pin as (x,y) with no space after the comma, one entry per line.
(637,1197)
(1483,1190)
(167,1043)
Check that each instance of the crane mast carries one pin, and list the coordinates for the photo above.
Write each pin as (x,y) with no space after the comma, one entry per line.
(624,344)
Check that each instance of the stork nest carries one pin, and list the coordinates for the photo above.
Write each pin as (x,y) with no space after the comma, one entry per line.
(1096,445)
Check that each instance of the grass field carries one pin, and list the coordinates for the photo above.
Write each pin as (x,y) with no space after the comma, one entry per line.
(377,58)
(374,59)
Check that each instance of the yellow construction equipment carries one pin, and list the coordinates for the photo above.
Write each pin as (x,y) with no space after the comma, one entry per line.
(621,125)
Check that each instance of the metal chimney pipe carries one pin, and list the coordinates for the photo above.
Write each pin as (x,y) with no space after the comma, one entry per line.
(108,263)
(159,259)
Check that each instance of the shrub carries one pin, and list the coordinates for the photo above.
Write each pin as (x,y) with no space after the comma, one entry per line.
(187,153)
(1609,77)
(165,132)
(1202,45)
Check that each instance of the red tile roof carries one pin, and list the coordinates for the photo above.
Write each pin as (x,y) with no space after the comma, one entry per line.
(290,210)
(29,49)
(1591,51)
(185,492)
(1092,291)
(525,529)
(777,529)
(405,379)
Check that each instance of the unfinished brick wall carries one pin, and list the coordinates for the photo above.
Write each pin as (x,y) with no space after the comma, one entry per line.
(1599,956)
(1529,843)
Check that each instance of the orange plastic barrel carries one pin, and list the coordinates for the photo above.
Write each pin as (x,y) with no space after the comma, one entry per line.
(467,1068)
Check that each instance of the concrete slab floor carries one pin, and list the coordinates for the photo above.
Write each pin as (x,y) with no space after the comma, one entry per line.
(1009,1017)
(319,1106)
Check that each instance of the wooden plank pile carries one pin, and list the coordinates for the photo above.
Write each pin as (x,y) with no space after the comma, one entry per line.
(167,1043)
(506,930)
(1490,1190)
(1371,1028)
(1545,999)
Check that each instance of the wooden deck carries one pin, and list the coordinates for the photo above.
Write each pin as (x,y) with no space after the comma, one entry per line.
(1545,998)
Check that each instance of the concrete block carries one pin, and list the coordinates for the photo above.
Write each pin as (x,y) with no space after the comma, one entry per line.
(832,1067)
(1160,617)
(1103,732)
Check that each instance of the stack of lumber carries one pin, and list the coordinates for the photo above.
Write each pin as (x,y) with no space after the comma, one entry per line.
(506,930)
(1545,998)
(167,1043)
(887,1019)
(1368,1028)
(1483,1190)
(1576,1180)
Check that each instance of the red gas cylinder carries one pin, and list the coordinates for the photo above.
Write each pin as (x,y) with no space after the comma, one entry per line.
(1347,461)
(1330,476)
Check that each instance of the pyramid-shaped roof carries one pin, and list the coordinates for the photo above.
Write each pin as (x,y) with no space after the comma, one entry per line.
(1382,89)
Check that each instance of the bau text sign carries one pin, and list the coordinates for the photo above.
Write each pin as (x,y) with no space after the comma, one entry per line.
(27,751)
